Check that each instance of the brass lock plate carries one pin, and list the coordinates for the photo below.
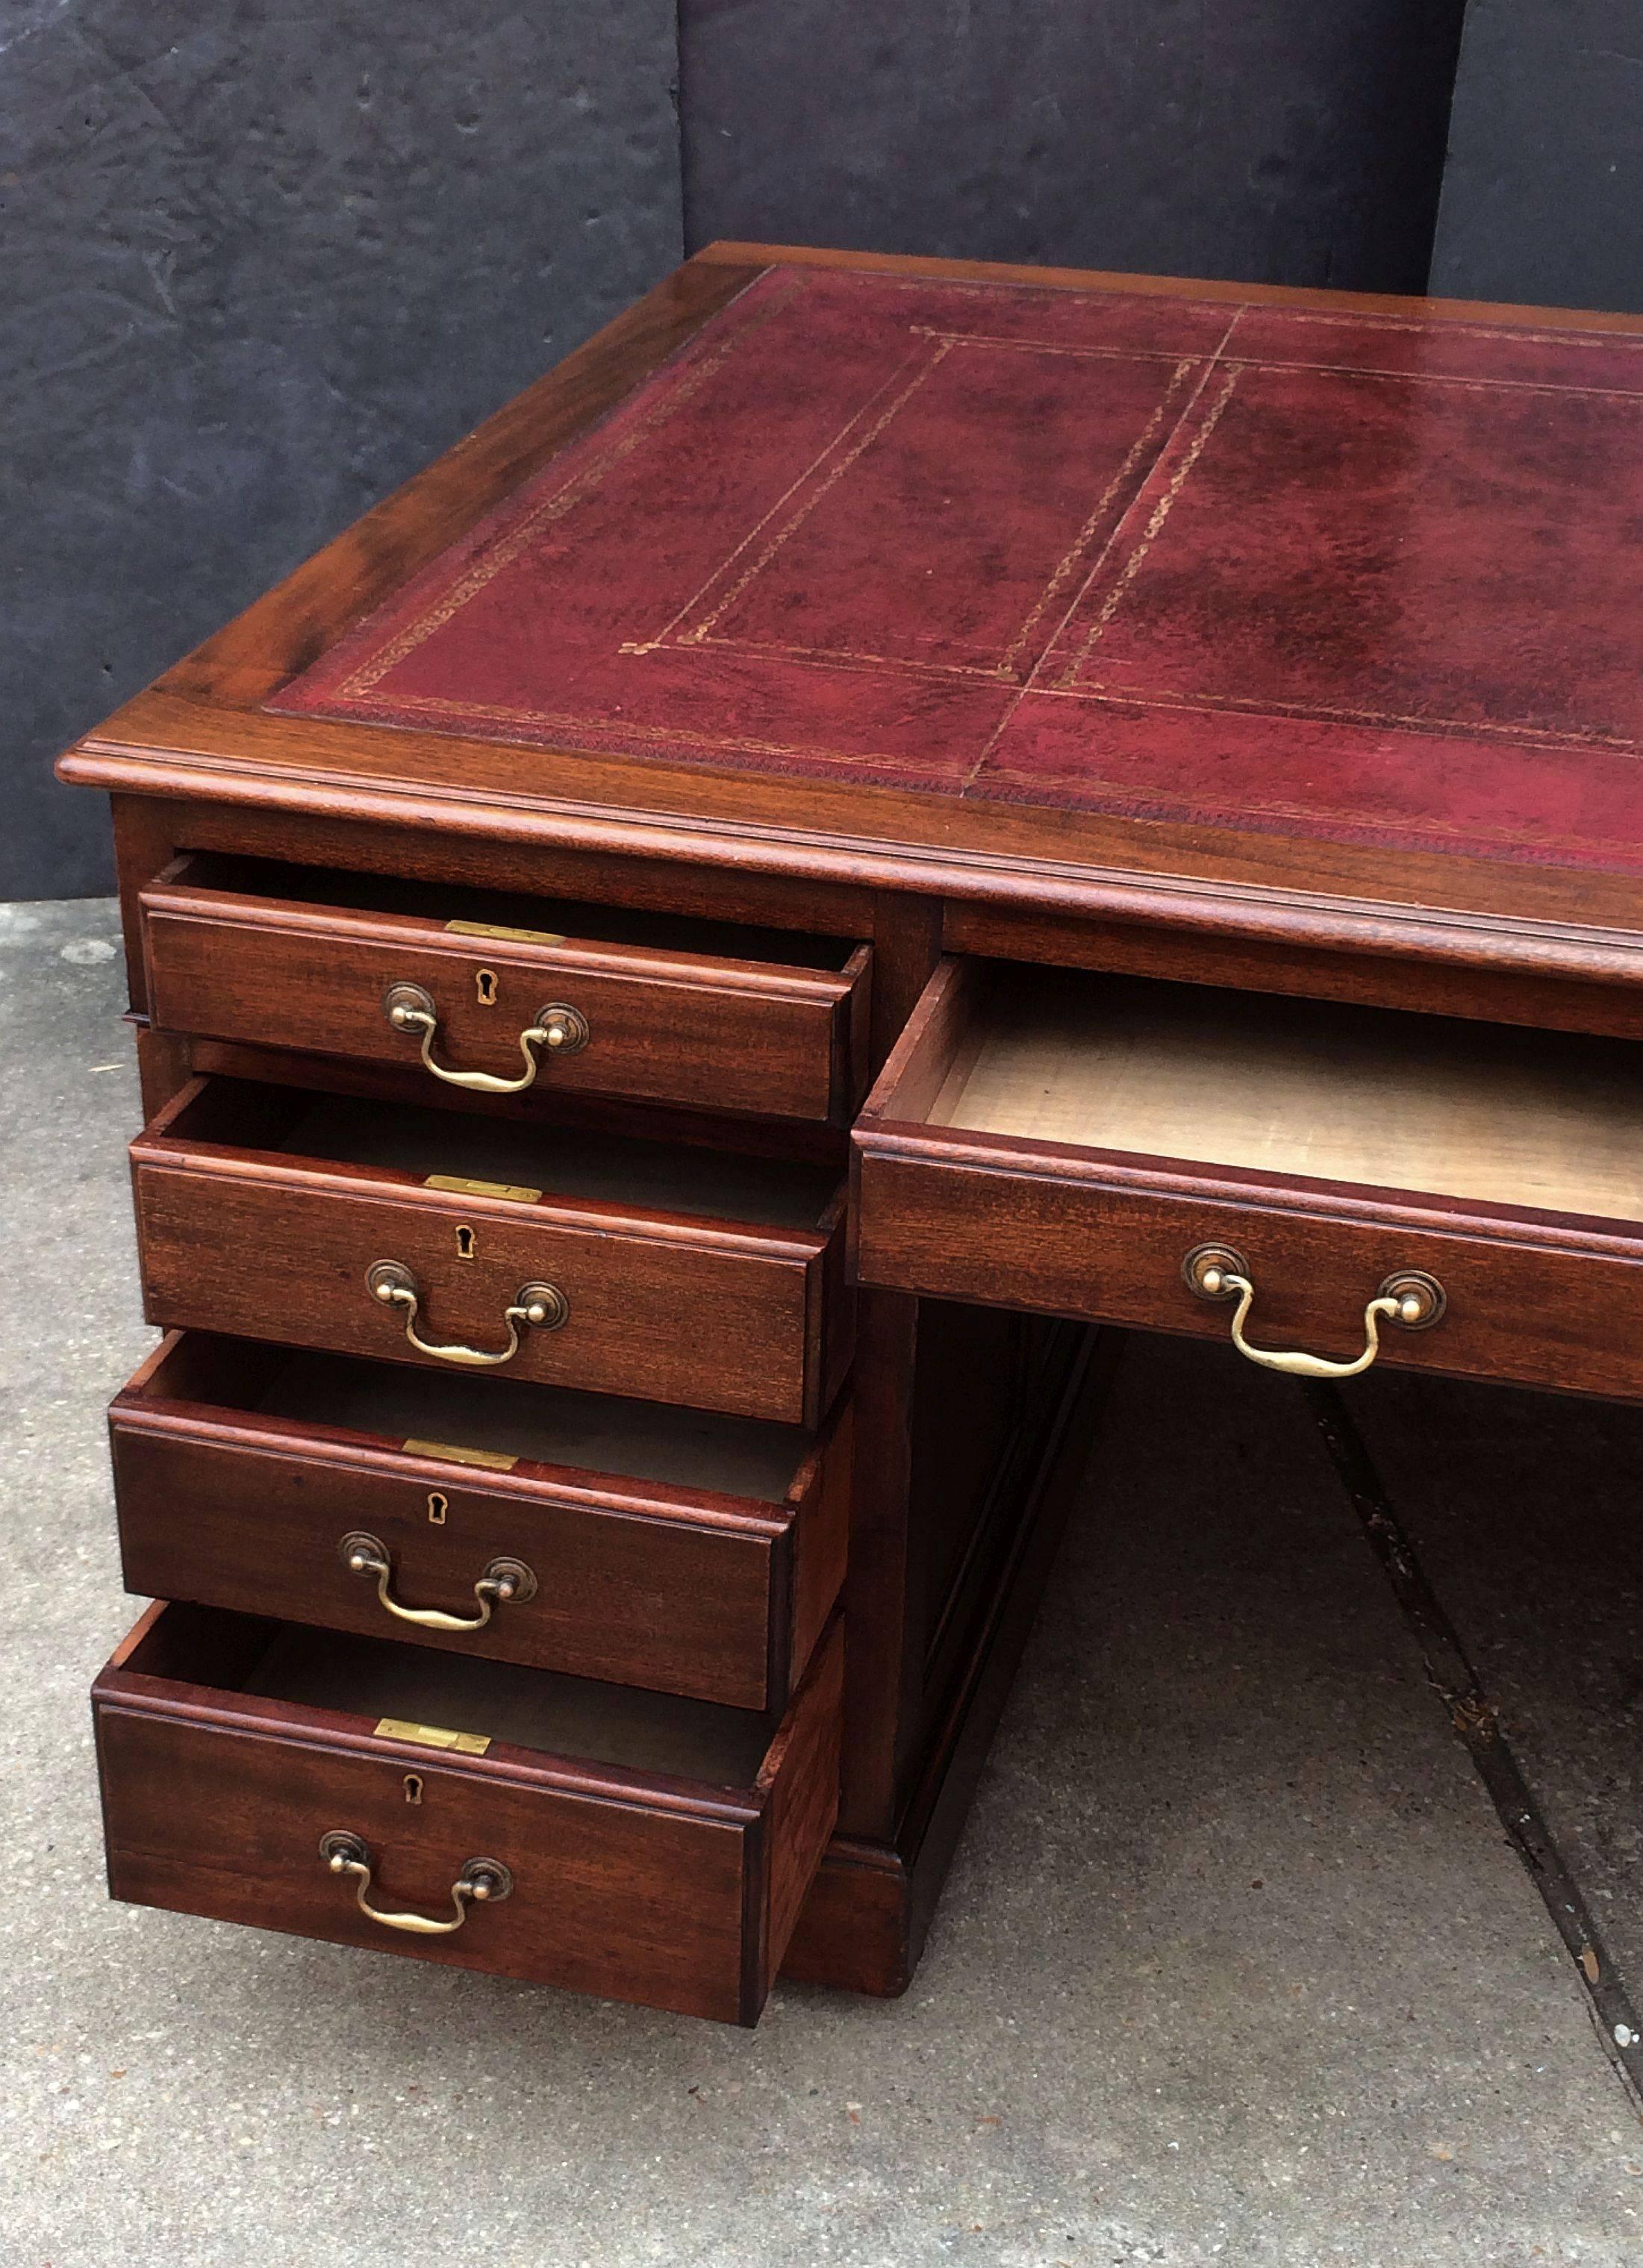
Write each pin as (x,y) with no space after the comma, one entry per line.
(432,1736)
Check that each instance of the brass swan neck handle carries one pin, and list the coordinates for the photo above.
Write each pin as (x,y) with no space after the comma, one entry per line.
(481,1881)
(503,1582)
(1410,1300)
(558,1029)
(537,1308)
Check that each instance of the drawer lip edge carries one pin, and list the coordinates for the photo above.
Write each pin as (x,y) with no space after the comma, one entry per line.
(381,1185)
(781,983)
(759,1519)
(143,1693)
(889,1143)
(330,1732)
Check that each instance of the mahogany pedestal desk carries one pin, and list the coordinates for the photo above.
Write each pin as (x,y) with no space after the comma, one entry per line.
(887,813)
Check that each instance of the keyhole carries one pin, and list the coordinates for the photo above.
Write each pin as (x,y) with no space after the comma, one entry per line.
(439,1504)
(485,985)
(464,1242)
(413,1787)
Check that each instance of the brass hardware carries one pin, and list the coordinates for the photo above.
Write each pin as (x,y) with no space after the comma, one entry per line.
(513,936)
(503,1582)
(558,1029)
(493,1461)
(1206,1268)
(432,1736)
(460,1185)
(413,1787)
(537,1308)
(1412,1300)
(464,1242)
(481,1881)
(1421,1298)
(439,1504)
(485,987)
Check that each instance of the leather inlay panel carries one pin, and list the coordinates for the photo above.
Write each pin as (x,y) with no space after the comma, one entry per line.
(1356,576)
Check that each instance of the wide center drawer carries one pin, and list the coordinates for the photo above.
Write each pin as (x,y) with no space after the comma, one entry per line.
(650,1545)
(507,1819)
(711,1016)
(568,1255)
(1329,1184)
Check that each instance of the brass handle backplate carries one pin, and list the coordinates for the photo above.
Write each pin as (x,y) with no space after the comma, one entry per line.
(1411,1300)
(504,1581)
(537,1308)
(558,1029)
(481,1880)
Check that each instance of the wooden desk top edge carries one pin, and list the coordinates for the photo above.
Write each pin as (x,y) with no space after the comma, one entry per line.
(200,732)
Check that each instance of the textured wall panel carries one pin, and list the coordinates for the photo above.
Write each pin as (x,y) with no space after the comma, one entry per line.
(1278,140)
(1543,200)
(261,262)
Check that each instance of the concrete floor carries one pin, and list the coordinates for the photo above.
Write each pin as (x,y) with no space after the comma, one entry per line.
(1235,1963)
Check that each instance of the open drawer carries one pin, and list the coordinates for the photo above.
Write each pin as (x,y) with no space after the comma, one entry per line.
(1333,1180)
(568,1255)
(661,1008)
(677,1548)
(544,1828)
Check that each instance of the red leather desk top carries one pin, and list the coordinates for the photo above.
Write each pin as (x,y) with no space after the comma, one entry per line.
(1355,576)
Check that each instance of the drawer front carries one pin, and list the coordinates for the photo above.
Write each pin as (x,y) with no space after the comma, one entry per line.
(1531,1305)
(980,1206)
(677,1900)
(658,1308)
(660,1027)
(719,1600)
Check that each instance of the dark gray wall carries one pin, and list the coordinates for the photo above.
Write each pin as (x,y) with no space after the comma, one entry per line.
(1543,200)
(261,262)
(1283,141)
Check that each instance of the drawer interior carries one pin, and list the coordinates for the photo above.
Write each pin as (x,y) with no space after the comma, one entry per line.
(541,1710)
(1375,1096)
(551,918)
(576,1161)
(499,1419)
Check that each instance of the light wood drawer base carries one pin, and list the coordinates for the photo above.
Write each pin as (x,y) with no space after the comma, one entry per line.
(1066,1143)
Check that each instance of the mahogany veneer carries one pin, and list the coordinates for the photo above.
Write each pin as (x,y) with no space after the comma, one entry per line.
(688,1276)
(696,1555)
(843,669)
(663,1860)
(701,1028)
(1515,1186)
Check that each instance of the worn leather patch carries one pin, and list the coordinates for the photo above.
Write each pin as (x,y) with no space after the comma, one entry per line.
(1369,577)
